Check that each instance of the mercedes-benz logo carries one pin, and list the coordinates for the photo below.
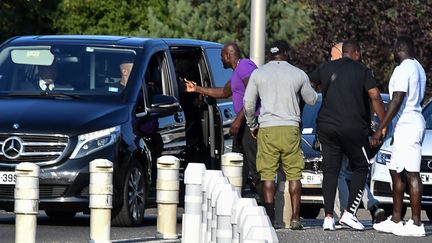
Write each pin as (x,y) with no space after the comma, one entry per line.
(12,147)
(429,164)
(15,125)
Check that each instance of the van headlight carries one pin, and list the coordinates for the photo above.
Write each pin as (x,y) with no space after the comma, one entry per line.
(383,157)
(91,142)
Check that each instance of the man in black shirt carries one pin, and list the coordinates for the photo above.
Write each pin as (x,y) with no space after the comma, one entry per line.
(343,126)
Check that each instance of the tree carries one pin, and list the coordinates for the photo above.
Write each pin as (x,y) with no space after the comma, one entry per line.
(375,25)
(26,17)
(109,17)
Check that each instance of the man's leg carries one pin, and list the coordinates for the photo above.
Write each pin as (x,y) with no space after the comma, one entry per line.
(249,145)
(415,189)
(332,155)
(268,194)
(295,193)
(398,191)
(342,193)
(267,165)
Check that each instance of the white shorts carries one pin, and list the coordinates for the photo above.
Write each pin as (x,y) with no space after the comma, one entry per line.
(406,149)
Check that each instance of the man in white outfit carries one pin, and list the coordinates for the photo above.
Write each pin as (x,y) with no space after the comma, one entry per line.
(406,88)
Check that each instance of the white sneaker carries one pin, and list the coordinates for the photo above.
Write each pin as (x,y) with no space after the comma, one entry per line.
(329,223)
(351,220)
(410,229)
(388,226)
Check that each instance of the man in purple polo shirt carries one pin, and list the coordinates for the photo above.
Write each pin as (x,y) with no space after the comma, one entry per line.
(242,139)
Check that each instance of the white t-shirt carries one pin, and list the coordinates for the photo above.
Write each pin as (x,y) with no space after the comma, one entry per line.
(409,77)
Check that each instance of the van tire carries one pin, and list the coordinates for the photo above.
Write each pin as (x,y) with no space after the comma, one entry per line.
(133,197)
(309,211)
(389,210)
(429,213)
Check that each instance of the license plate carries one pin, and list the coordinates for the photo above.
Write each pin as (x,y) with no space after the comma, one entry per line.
(426,178)
(311,179)
(7,178)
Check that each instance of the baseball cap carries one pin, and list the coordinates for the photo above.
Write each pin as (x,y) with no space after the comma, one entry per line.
(279,47)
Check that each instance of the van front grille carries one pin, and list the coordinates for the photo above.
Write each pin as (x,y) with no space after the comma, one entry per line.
(35,148)
(45,191)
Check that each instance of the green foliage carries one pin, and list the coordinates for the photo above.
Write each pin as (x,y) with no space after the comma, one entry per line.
(375,25)
(25,17)
(111,17)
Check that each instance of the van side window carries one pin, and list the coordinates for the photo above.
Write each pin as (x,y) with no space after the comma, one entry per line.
(154,76)
(220,74)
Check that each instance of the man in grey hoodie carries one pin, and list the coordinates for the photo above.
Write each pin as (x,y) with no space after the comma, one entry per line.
(279,85)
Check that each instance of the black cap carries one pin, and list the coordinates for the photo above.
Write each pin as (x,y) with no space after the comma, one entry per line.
(279,47)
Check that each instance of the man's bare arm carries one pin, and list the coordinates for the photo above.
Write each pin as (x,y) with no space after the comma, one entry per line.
(217,93)
(393,108)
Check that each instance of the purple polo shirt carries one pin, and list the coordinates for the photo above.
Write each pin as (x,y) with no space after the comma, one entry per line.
(243,70)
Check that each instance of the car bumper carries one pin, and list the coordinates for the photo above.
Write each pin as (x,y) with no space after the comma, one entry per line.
(65,184)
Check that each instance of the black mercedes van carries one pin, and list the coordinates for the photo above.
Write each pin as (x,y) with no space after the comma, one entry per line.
(63,104)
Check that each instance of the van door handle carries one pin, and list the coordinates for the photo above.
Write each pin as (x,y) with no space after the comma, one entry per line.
(178,117)
(228,113)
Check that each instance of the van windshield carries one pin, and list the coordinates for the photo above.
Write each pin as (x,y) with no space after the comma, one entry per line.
(72,70)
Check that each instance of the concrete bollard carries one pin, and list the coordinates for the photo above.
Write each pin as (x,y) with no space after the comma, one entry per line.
(215,194)
(262,233)
(248,211)
(235,216)
(209,175)
(217,181)
(167,186)
(193,203)
(224,205)
(255,220)
(101,190)
(283,209)
(232,168)
(26,202)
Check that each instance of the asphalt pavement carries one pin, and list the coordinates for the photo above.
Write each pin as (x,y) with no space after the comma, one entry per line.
(77,230)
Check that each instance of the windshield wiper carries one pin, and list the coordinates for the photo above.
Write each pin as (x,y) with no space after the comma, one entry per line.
(44,94)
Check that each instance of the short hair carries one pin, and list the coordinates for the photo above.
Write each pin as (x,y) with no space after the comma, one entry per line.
(350,46)
(233,48)
(404,44)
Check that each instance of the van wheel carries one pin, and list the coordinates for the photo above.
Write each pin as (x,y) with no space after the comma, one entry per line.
(133,199)
(60,214)
(310,211)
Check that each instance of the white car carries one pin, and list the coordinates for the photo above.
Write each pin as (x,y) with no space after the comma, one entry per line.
(381,186)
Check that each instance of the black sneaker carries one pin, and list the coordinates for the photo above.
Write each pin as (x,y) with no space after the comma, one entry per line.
(378,216)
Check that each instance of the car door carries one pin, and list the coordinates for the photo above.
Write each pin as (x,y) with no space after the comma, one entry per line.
(221,76)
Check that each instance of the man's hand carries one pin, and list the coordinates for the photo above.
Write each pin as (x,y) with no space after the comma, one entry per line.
(235,127)
(377,137)
(190,86)
(254,132)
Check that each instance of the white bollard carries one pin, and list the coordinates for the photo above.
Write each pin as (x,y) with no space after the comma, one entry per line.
(217,181)
(245,212)
(235,216)
(261,233)
(167,185)
(191,222)
(209,175)
(101,190)
(253,220)
(232,167)
(215,194)
(26,202)
(224,205)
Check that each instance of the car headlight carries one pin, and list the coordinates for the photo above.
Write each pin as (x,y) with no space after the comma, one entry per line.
(91,142)
(383,157)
